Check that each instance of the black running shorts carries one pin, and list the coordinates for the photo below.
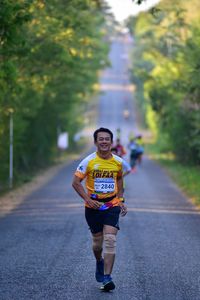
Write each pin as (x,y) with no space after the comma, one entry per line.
(96,219)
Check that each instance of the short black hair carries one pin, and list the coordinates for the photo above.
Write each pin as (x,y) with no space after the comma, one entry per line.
(102,129)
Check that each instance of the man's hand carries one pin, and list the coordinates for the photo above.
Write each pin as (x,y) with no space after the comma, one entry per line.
(123,209)
(93,203)
(80,190)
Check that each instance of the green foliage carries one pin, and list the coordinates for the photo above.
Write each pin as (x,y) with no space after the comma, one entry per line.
(166,68)
(50,55)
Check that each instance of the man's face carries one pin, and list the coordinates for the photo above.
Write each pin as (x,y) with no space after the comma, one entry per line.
(103,142)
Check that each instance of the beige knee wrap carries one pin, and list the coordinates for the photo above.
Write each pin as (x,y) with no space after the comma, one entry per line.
(110,243)
(97,243)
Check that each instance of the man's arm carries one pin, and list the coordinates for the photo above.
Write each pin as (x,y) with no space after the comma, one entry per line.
(120,195)
(126,173)
(126,168)
(120,187)
(77,185)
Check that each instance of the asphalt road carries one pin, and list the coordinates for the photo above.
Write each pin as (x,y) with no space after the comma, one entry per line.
(45,246)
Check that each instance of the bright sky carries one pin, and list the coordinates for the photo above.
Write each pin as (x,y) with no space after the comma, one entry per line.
(124,8)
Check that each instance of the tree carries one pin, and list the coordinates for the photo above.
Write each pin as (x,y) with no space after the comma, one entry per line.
(50,56)
(166,71)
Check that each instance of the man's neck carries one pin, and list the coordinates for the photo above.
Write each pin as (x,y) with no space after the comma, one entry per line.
(104,155)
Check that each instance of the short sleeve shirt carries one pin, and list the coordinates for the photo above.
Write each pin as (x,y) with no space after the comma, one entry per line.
(101,174)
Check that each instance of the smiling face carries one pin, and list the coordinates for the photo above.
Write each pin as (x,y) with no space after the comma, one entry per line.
(103,142)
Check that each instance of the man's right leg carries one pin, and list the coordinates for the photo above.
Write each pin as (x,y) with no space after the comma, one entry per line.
(97,250)
(93,218)
(97,245)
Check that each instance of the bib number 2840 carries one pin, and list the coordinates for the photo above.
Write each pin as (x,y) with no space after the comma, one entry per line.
(104,185)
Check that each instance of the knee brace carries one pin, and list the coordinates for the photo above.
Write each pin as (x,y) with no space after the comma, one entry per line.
(97,243)
(110,243)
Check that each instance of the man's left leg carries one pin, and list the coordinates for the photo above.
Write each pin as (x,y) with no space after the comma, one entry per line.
(97,247)
(109,256)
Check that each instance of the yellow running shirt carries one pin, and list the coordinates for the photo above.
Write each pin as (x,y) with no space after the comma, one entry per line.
(101,175)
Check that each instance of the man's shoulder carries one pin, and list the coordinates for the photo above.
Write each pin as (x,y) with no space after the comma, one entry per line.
(117,158)
(89,157)
(83,165)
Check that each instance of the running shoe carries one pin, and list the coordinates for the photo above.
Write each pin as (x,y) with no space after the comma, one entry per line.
(99,274)
(108,284)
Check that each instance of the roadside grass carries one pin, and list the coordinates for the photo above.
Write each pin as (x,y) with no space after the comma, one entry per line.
(187,177)
(61,158)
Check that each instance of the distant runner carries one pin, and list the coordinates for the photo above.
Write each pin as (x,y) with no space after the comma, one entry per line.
(136,151)
(120,148)
(140,148)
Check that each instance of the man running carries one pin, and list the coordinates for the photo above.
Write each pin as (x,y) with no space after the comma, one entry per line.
(104,202)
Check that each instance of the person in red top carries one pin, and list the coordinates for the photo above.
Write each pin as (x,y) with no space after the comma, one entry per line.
(120,149)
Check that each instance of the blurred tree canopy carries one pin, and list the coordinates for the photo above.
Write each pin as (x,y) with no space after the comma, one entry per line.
(50,55)
(166,71)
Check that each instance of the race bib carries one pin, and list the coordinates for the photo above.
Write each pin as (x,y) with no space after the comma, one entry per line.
(104,185)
